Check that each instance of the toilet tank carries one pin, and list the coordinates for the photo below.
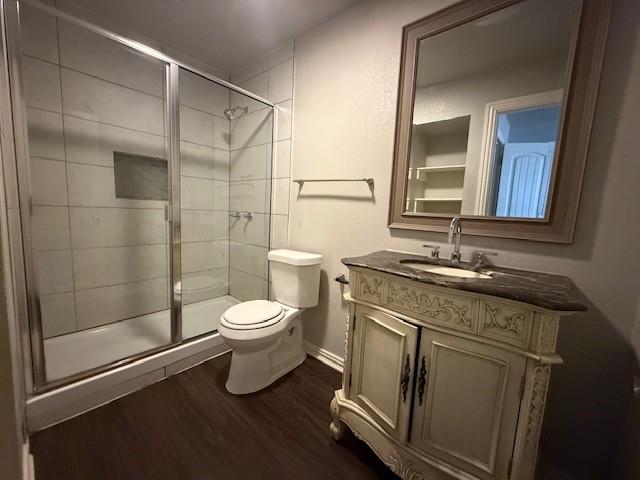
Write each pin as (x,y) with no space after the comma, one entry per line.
(295,277)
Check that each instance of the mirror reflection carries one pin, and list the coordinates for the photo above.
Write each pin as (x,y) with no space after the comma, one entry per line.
(488,111)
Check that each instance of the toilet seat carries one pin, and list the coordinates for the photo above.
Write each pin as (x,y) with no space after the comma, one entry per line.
(252,315)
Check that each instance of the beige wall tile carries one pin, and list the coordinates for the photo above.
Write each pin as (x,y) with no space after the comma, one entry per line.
(200,226)
(280,201)
(92,99)
(102,57)
(249,196)
(99,306)
(249,71)
(252,129)
(253,230)
(221,164)
(41,81)
(281,82)
(203,194)
(248,258)
(246,287)
(196,126)
(282,159)
(197,160)
(50,228)
(200,256)
(45,132)
(202,94)
(58,314)
(257,85)
(93,186)
(54,271)
(110,227)
(249,163)
(96,267)
(48,182)
(284,120)
(279,231)
(221,133)
(94,143)
(38,34)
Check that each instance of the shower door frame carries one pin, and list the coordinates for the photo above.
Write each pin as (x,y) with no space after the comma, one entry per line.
(27,294)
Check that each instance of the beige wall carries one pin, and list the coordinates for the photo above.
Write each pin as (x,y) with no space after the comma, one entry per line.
(344,117)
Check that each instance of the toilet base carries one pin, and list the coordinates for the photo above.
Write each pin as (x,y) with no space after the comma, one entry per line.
(256,365)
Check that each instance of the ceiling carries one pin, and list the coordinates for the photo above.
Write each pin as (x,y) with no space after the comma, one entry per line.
(224,34)
(530,30)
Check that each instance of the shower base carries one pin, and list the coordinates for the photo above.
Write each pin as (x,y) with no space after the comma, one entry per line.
(74,353)
(80,351)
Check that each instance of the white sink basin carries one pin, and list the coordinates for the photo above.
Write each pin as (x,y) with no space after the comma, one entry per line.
(447,271)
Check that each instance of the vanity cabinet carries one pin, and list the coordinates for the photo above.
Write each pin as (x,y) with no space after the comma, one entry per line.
(443,383)
(384,354)
(466,404)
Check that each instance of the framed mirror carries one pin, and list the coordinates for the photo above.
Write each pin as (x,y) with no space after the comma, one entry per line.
(495,107)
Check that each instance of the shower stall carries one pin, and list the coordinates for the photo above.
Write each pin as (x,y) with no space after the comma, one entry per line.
(138,198)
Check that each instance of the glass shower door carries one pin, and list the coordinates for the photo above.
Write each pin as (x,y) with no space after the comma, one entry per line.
(225,155)
(98,186)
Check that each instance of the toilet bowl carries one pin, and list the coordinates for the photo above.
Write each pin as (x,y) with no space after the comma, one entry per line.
(266,336)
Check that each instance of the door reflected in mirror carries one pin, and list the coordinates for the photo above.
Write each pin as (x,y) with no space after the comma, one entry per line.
(487,112)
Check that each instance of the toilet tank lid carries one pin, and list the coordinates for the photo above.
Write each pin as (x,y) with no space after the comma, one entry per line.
(294,257)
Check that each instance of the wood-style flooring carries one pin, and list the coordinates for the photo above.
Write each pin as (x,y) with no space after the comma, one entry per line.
(190,427)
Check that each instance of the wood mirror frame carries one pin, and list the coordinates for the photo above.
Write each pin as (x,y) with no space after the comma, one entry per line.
(580,100)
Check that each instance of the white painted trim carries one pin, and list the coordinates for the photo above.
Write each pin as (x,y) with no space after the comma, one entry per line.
(325,356)
(492,110)
(28,470)
(74,399)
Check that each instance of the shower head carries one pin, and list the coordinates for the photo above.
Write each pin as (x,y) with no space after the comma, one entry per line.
(230,113)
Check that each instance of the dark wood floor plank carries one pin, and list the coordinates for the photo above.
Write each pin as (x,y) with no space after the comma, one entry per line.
(190,427)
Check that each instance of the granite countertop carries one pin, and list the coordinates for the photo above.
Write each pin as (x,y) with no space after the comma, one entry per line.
(552,292)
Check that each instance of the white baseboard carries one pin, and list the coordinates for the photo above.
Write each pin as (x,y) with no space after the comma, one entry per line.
(325,356)
(28,470)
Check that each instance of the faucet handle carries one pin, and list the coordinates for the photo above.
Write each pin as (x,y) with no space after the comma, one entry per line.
(481,254)
(435,250)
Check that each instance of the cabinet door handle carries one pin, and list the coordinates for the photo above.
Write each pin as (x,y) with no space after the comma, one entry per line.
(422,381)
(406,376)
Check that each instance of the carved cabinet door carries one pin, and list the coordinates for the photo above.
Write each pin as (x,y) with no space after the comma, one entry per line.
(466,403)
(381,379)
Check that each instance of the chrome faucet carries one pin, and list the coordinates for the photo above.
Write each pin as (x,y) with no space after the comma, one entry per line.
(455,234)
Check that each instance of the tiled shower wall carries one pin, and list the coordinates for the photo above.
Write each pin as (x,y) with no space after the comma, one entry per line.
(252,167)
(101,258)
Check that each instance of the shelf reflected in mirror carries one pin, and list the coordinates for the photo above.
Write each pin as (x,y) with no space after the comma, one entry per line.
(487,111)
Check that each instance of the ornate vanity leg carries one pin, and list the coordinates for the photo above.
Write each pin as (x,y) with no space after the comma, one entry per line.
(337,428)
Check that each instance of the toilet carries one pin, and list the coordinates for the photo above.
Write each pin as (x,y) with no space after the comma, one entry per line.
(266,336)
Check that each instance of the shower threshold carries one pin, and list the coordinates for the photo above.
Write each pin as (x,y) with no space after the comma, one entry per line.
(74,353)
